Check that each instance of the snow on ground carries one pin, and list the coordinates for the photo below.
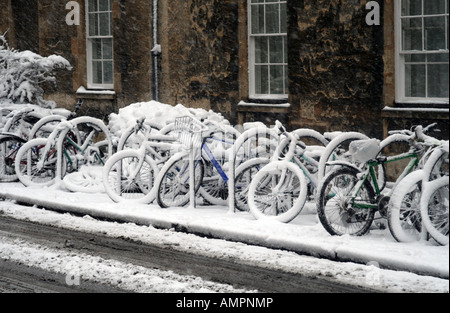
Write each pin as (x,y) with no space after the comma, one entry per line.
(81,266)
(246,240)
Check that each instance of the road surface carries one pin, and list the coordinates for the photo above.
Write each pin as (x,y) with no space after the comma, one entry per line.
(15,277)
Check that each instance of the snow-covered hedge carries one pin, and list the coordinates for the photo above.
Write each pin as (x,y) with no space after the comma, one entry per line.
(22,73)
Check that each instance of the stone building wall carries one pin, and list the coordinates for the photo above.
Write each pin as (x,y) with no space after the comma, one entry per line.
(341,71)
(199,62)
(335,66)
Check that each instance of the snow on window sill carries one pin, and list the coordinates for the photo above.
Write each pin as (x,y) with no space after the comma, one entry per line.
(395,109)
(95,93)
(281,105)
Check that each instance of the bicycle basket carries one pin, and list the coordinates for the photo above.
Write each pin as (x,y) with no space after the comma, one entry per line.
(364,150)
(189,131)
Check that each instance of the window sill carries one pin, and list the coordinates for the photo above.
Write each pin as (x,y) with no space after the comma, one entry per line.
(263,107)
(95,94)
(415,112)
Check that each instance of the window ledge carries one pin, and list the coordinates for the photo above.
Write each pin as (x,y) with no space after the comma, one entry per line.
(263,107)
(403,112)
(95,94)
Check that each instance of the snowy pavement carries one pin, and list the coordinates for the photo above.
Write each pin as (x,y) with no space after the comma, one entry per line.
(305,235)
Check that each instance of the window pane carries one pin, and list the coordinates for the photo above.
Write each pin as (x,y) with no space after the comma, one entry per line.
(104,24)
(96,49)
(438,81)
(412,34)
(438,57)
(434,33)
(272,18)
(107,49)
(104,5)
(434,7)
(276,49)
(93,22)
(97,72)
(415,58)
(411,7)
(93,5)
(415,80)
(257,19)
(261,53)
(286,80)
(276,80)
(108,72)
(283,17)
(261,79)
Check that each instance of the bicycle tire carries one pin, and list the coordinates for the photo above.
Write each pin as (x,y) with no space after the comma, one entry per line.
(311,134)
(434,208)
(87,179)
(245,174)
(336,219)
(27,160)
(214,189)
(404,218)
(174,178)
(282,205)
(117,184)
(45,126)
(9,147)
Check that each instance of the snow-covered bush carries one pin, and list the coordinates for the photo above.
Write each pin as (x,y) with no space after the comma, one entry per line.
(22,73)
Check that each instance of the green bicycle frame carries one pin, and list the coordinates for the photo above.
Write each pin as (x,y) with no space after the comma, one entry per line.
(80,149)
(370,174)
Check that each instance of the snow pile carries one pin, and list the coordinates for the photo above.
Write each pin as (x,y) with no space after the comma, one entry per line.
(364,150)
(157,113)
(22,73)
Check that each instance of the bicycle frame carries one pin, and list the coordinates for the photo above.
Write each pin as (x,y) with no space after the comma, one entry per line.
(209,156)
(371,175)
(81,149)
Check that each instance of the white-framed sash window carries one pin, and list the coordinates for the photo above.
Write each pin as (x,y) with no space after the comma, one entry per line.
(268,60)
(100,63)
(422,58)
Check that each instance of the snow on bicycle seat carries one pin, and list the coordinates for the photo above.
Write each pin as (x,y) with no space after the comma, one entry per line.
(364,150)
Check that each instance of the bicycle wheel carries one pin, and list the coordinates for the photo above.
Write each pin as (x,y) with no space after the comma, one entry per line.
(45,126)
(278,192)
(33,167)
(9,147)
(404,219)
(173,183)
(126,178)
(434,206)
(245,174)
(88,179)
(214,189)
(334,203)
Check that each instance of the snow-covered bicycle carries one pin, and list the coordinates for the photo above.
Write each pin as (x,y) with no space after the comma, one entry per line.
(128,176)
(420,206)
(305,156)
(183,175)
(350,195)
(280,189)
(72,144)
